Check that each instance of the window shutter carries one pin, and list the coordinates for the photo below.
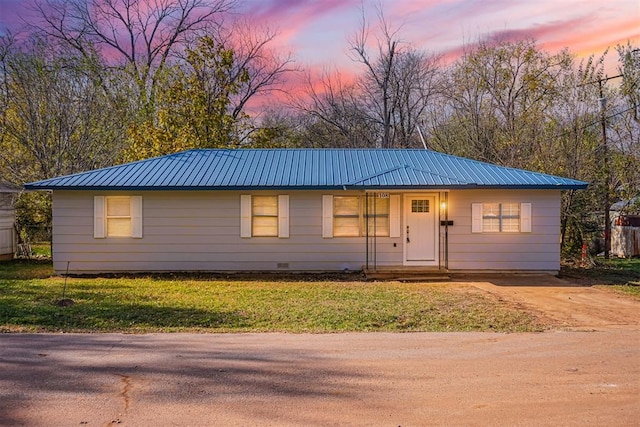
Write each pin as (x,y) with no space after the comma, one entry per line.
(394,215)
(525,217)
(327,216)
(476,217)
(283,216)
(245,215)
(136,217)
(99,223)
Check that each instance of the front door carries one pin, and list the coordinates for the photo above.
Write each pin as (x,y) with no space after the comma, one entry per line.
(420,229)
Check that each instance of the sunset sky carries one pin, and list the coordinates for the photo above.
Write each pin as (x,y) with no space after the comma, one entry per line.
(316,31)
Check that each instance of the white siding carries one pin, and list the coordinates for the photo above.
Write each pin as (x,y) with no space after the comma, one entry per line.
(7,221)
(200,231)
(537,250)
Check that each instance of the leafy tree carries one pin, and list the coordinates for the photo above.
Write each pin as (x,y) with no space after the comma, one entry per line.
(194,108)
(54,119)
(278,128)
(625,126)
(499,95)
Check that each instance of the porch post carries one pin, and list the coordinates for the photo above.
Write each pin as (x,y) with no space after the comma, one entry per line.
(366,240)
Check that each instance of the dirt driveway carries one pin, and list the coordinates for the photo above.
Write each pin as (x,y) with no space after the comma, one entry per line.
(560,303)
(563,377)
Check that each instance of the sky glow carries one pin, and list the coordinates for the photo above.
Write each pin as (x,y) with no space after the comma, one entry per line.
(316,32)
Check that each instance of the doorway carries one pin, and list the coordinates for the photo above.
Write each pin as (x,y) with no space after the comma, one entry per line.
(421,231)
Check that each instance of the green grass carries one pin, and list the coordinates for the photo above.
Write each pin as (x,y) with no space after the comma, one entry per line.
(614,271)
(621,275)
(41,250)
(630,289)
(630,265)
(163,304)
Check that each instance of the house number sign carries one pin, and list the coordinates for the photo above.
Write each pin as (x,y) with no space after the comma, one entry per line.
(383,195)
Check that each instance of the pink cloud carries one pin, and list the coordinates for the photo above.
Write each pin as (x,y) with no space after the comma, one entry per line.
(292,17)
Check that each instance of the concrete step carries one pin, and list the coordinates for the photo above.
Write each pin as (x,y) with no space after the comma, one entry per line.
(407,274)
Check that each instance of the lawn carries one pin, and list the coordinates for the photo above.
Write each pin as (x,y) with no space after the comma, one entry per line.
(134,304)
(616,274)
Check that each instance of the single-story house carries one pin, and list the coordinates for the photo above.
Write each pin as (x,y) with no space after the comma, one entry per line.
(8,193)
(306,210)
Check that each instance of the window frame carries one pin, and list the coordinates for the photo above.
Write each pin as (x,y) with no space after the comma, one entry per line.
(108,217)
(255,215)
(357,215)
(247,216)
(101,217)
(479,217)
(363,218)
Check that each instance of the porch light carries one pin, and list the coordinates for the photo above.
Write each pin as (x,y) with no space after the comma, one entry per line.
(443,205)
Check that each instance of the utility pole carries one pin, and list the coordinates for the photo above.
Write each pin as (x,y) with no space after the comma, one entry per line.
(605,159)
(606,166)
(607,172)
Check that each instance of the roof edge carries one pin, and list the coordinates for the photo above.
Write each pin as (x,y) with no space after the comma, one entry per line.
(317,187)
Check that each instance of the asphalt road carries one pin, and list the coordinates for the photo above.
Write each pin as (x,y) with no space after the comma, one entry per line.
(416,379)
(581,374)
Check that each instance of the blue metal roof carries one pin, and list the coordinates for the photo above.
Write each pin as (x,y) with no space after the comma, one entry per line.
(251,169)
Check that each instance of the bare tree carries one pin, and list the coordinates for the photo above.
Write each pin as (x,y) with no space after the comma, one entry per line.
(337,114)
(139,35)
(379,71)
(384,105)
(265,67)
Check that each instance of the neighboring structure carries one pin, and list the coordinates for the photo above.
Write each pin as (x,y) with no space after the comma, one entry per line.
(8,194)
(306,210)
(625,231)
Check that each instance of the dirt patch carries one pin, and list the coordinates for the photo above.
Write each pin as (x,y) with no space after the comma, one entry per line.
(560,303)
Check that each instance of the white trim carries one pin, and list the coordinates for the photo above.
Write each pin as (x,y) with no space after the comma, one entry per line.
(327,216)
(436,229)
(283,216)
(136,217)
(245,215)
(525,217)
(99,221)
(476,217)
(394,215)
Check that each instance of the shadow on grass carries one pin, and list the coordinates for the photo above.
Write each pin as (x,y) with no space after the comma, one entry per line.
(94,314)
(24,269)
(254,276)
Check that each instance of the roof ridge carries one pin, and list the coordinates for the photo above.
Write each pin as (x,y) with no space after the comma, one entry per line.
(438,174)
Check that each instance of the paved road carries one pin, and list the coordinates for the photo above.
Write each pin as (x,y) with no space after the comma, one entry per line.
(562,377)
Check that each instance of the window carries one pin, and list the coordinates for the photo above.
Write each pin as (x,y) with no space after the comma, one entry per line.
(420,206)
(378,216)
(264,216)
(117,216)
(501,217)
(345,216)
